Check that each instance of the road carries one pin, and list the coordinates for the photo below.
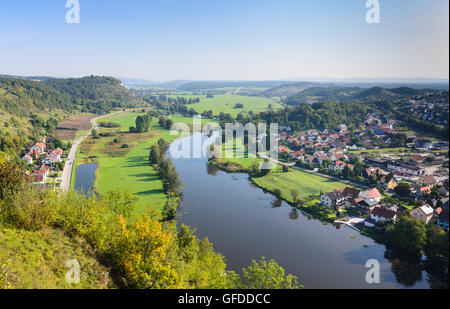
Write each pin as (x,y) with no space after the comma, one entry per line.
(68,167)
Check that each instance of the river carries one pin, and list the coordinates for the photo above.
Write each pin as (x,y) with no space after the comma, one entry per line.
(244,223)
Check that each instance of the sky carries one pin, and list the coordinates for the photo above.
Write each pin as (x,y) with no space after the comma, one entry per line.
(164,40)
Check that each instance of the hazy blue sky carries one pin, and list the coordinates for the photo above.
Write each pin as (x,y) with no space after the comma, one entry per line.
(225,39)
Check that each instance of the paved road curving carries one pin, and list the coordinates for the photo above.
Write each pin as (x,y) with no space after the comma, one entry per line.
(68,167)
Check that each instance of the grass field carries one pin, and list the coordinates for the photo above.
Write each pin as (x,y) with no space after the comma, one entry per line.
(226,102)
(128,168)
(307,184)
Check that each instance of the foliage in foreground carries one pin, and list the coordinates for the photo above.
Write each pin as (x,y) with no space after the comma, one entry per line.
(140,251)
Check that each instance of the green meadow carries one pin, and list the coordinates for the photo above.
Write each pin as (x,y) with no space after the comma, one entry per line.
(226,102)
(128,168)
(307,184)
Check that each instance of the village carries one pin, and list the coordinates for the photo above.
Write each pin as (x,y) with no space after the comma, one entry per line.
(402,171)
(44,165)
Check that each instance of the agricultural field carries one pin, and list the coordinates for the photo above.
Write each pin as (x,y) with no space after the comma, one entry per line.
(67,130)
(226,102)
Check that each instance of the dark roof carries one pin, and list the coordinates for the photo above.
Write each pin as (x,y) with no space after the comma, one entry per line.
(351,192)
(384,212)
(335,195)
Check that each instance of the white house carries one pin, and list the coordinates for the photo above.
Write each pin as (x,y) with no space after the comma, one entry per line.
(371,194)
(424,213)
(28,159)
(332,199)
(383,214)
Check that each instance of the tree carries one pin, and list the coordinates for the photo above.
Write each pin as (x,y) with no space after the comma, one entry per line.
(436,247)
(163,145)
(11,179)
(403,189)
(143,123)
(277,193)
(254,168)
(347,172)
(295,193)
(171,181)
(408,235)
(155,156)
(267,275)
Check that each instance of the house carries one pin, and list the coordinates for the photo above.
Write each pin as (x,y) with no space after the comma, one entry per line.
(332,199)
(39,146)
(297,155)
(53,157)
(40,174)
(365,205)
(337,156)
(339,166)
(321,159)
(380,214)
(371,194)
(437,213)
(387,182)
(442,220)
(351,193)
(428,180)
(28,159)
(373,171)
(284,149)
(424,213)
(312,132)
(403,169)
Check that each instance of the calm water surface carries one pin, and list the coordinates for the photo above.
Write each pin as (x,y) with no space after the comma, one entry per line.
(84,179)
(244,223)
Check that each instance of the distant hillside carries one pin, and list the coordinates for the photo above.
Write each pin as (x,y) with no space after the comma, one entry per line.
(95,93)
(208,85)
(21,97)
(356,94)
(316,94)
(288,89)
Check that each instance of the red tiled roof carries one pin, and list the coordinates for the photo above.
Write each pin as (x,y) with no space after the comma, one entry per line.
(374,193)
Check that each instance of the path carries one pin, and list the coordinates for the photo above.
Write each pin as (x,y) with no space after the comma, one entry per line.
(68,167)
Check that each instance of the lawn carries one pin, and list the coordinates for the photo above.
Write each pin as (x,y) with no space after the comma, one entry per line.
(237,148)
(307,184)
(226,102)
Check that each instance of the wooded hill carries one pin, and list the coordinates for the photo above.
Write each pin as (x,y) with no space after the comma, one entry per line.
(20,97)
(362,95)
